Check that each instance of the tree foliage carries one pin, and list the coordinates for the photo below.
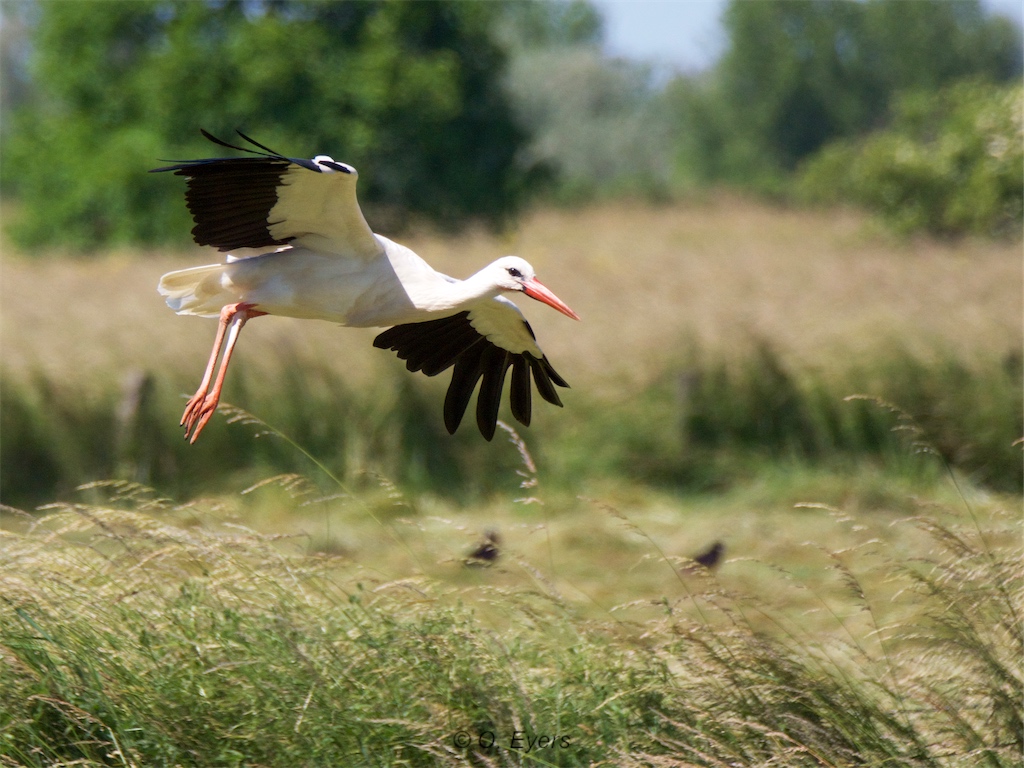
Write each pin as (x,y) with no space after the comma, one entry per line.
(598,127)
(542,24)
(407,91)
(452,109)
(950,163)
(798,74)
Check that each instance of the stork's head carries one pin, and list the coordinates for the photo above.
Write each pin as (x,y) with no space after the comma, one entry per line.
(512,273)
(327,164)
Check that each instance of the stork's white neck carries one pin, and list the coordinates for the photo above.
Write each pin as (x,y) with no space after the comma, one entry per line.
(409,287)
(443,294)
(464,293)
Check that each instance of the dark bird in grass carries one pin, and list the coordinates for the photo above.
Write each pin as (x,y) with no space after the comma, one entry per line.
(486,552)
(711,557)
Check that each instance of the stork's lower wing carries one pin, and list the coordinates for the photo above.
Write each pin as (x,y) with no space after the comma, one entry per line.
(434,346)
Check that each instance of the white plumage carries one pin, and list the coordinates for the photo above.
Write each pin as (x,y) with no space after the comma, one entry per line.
(316,258)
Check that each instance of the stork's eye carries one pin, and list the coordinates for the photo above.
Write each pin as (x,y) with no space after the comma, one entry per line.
(513,272)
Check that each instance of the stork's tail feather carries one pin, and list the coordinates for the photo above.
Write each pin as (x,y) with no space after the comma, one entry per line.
(196,291)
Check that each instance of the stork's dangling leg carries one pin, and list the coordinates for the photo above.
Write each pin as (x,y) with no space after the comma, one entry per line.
(203,403)
(194,402)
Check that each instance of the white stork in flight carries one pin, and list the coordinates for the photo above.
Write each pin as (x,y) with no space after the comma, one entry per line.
(320,260)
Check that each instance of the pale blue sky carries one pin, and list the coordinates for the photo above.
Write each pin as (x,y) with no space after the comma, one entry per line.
(686,34)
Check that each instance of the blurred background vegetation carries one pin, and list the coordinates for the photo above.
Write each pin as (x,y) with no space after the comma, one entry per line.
(463,113)
(470,110)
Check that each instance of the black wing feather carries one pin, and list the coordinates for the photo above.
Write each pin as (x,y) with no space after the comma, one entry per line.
(542,378)
(447,351)
(440,353)
(431,346)
(494,363)
(522,390)
(436,345)
(230,198)
(255,143)
(467,373)
(555,378)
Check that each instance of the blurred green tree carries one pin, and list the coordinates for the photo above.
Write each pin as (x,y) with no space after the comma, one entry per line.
(949,163)
(541,24)
(407,91)
(800,73)
(598,125)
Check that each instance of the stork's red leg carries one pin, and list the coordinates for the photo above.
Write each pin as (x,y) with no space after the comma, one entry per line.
(188,417)
(203,403)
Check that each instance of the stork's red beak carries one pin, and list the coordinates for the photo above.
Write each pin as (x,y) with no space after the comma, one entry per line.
(535,289)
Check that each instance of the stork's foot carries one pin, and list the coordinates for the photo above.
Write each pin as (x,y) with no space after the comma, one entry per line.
(198,412)
(188,418)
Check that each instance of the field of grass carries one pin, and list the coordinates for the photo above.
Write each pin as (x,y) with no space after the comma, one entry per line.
(292,590)
(136,632)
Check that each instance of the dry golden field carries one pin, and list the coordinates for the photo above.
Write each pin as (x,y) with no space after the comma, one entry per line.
(822,287)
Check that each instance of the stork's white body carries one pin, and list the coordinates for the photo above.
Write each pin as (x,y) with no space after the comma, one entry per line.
(333,267)
(395,287)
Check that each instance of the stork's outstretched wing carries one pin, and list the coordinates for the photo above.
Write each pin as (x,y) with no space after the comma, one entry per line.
(482,343)
(270,200)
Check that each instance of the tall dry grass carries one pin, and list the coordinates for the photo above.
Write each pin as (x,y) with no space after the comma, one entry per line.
(820,287)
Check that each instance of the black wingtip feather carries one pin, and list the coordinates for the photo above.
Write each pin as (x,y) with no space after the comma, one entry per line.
(553,375)
(220,142)
(255,143)
(494,362)
(521,394)
(464,378)
(542,371)
(267,151)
